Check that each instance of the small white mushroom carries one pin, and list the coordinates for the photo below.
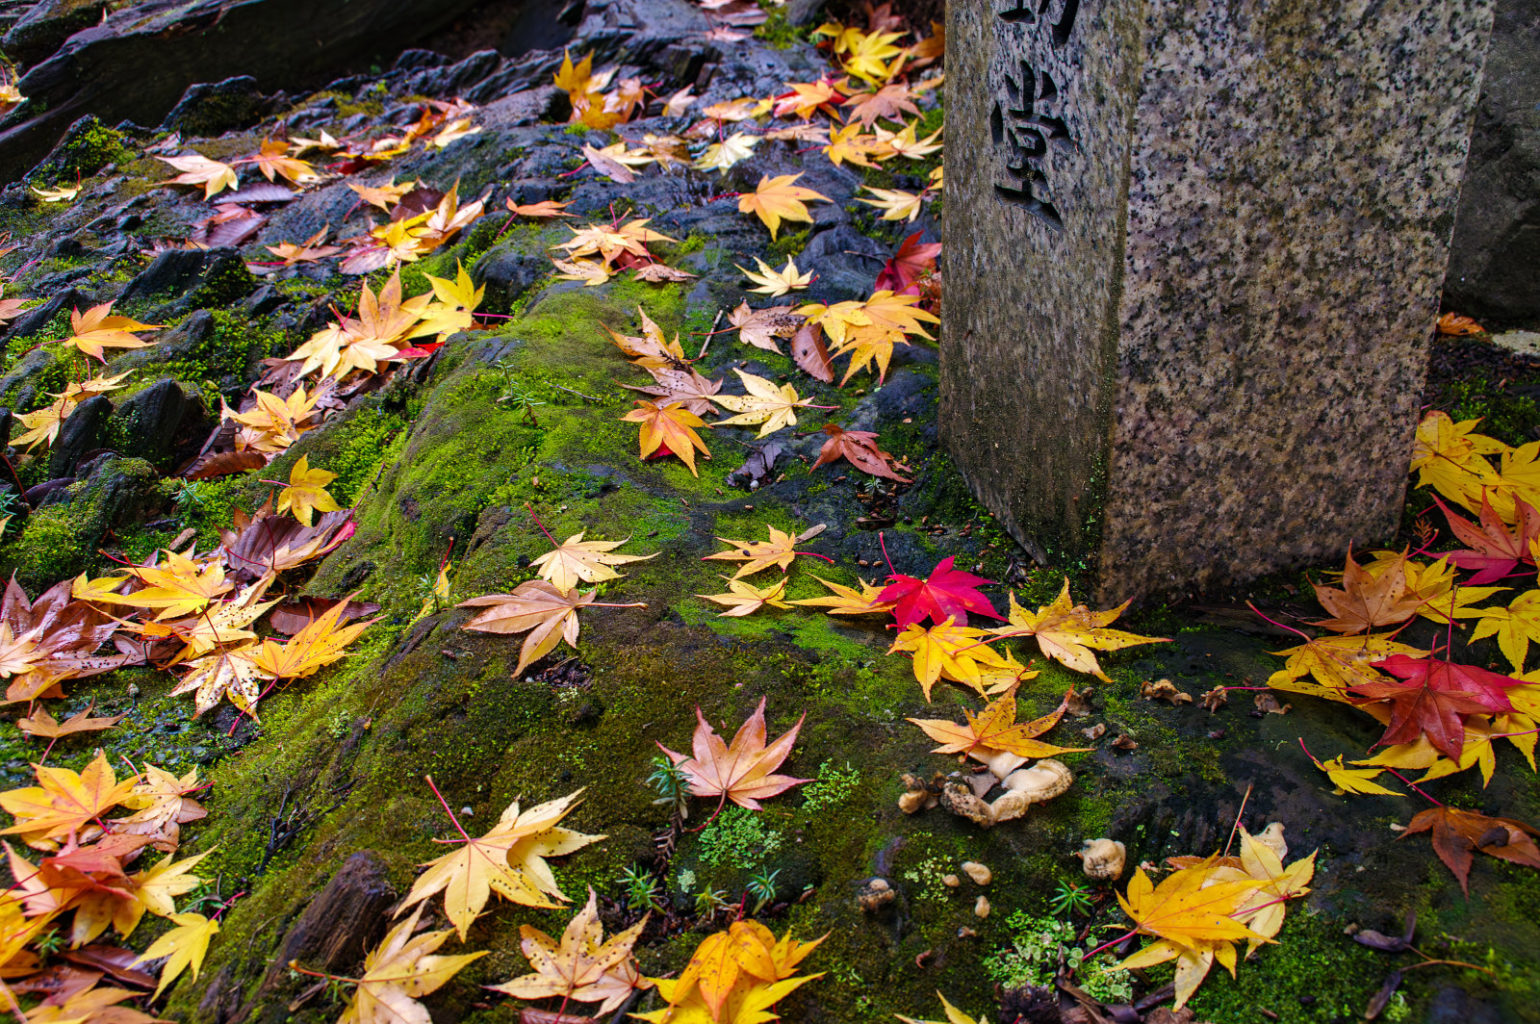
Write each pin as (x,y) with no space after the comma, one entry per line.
(1103,859)
(1010,806)
(913,801)
(980,874)
(981,908)
(951,881)
(1043,781)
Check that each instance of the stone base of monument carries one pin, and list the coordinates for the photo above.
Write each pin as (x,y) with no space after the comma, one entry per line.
(1194,250)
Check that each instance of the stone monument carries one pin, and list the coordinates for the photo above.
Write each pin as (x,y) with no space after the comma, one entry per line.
(1193,257)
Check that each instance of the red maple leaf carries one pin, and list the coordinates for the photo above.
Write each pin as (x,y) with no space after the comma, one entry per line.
(1490,548)
(1457,835)
(904,268)
(1433,698)
(947,593)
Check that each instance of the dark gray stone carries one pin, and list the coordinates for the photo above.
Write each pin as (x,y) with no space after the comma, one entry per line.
(46,25)
(195,277)
(1497,228)
(507,271)
(85,431)
(211,108)
(164,424)
(1193,260)
(128,67)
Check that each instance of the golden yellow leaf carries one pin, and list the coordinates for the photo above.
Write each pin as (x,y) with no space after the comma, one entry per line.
(779,198)
(743,598)
(306,493)
(1071,634)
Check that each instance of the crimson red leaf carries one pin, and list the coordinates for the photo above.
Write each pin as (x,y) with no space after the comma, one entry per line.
(901,271)
(947,593)
(1433,698)
(1489,548)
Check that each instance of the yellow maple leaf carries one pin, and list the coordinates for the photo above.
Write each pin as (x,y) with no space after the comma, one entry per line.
(733,976)
(743,598)
(769,281)
(320,643)
(577,560)
(721,156)
(953,1015)
(97,329)
(585,966)
(950,651)
(273,423)
(1071,634)
(995,732)
(63,803)
(769,407)
(178,586)
(669,425)
(757,555)
(306,493)
(198,169)
(779,198)
(1188,907)
(843,600)
(184,947)
(1449,457)
(895,204)
(509,859)
(401,968)
(1357,781)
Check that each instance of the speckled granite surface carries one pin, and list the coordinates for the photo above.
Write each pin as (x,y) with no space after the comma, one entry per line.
(1192,269)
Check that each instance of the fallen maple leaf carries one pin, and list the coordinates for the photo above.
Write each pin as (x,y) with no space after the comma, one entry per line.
(544,209)
(1358,781)
(903,269)
(1188,908)
(859,448)
(743,598)
(1514,626)
(64,803)
(1432,699)
(722,156)
(670,429)
(178,586)
(306,492)
(1491,549)
(1457,325)
(588,561)
(847,600)
(198,169)
(509,859)
(97,329)
(308,251)
(733,977)
(761,327)
(780,198)
(769,407)
(401,968)
(810,353)
(546,613)
(91,1006)
(756,555)
(61,194)
(947,593)
(740,772)
(895,204)
(184,947)
(1368,600)
(584,967)
(958,653)
(1458,835)
(953,1015)
(995,737)
(769,281)
(274,159)
(41,723)
(1071,634)
(320,643)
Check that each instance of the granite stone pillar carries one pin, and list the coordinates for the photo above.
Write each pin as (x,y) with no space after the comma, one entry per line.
(1193,256)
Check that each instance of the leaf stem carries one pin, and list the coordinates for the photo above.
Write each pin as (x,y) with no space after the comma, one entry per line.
(447,811)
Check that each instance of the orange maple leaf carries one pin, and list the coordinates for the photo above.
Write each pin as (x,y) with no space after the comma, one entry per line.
(740,772)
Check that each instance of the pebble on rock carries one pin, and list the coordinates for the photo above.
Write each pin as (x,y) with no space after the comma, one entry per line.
(981,908)
(980,874)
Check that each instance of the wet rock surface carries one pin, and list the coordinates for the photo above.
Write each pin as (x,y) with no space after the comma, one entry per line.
(319,814)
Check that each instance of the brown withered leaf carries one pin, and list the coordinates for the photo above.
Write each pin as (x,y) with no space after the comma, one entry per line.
(535,607)
(1365,601)
(761,327)
(859,448)
(810,353)
(292,616)
(1458,835)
